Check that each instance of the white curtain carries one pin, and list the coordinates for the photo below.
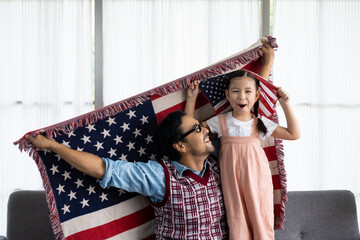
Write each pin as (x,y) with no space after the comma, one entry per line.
(45,77)
(149,43)
(317,62)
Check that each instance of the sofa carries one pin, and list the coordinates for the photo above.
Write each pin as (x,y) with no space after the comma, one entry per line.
(312,215)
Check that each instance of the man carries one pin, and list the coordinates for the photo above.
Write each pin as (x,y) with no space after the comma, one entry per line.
(185,191)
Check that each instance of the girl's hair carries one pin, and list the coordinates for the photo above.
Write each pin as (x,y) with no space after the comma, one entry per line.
(242,73)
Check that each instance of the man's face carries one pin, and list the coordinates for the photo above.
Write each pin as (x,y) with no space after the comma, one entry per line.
(197,142)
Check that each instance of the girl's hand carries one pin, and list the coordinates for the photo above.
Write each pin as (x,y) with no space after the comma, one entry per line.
(268,53)
(193,89)
(284,96)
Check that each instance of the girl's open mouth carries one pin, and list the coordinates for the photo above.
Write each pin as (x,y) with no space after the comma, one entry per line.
(242,105)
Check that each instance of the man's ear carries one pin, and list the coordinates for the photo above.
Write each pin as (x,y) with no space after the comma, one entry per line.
(180,147)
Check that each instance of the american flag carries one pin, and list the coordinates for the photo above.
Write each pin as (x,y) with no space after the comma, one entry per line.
(124,131)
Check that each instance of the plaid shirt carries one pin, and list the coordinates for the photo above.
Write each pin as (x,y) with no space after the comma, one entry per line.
(193,206)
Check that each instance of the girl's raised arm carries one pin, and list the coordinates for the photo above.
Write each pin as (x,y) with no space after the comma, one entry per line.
(292,131)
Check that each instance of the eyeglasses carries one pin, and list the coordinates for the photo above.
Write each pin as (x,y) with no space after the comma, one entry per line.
(197,128)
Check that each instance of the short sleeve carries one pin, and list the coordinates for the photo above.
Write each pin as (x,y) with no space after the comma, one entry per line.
(214,126)
(270,125)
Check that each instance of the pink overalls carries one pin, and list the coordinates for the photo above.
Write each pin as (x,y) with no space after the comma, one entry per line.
(247,185)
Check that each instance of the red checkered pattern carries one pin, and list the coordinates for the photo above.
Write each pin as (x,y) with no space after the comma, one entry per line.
(193,206)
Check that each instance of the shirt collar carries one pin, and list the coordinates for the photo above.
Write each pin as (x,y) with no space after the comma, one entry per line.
(181,168)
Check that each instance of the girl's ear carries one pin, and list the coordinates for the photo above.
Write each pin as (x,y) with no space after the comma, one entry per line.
(227,94)
(257,94)
(180,147)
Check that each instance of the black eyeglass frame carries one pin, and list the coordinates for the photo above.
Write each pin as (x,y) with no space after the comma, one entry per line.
(197,128)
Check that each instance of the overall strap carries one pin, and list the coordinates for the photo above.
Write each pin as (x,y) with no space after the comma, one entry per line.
(222,125)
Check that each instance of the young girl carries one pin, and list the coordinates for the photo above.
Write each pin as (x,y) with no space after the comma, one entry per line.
(245,174)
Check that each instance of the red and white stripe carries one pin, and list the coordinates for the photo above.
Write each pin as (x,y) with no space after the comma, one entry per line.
(163,105)
(131,219)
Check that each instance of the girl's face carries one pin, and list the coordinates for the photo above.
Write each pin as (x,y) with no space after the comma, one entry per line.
(242,95)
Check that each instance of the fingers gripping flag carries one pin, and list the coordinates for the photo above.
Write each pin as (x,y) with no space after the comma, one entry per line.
(124,131)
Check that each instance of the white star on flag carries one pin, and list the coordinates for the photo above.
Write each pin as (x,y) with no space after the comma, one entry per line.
(72,195)
(123,157)
(131,114)
(66,175)
(106,133)
(125,127)
(66,144)
(91,189)
(71,134)
(65,208)
(118,139)
(86,139)
(112,152)
(84,203)
(148,139)
(137,132)
(153,157)
(98,146)
(130,146)
(91,127)
(79,183)
(141,151)
(111,121)
(121,191)
(45,151)
(144,120)
(103,197)
(80,149)
(58,157)
(54,169)
(60,188)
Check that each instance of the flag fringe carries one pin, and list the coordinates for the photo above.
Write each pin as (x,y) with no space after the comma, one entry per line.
(50,199)
(279,221)
(246,56)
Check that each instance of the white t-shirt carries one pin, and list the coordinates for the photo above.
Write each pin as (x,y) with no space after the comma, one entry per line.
(239,128)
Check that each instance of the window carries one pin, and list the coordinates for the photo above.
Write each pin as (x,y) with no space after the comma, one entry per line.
(46,77)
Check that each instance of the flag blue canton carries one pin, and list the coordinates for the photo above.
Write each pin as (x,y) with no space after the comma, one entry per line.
(214,89)
(128,136)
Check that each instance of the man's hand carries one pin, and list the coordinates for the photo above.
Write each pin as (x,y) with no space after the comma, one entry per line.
(40,142)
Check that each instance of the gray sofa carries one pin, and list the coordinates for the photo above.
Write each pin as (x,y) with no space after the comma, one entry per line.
(317,215)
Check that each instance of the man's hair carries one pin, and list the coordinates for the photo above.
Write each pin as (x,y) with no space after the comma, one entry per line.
(168,133)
